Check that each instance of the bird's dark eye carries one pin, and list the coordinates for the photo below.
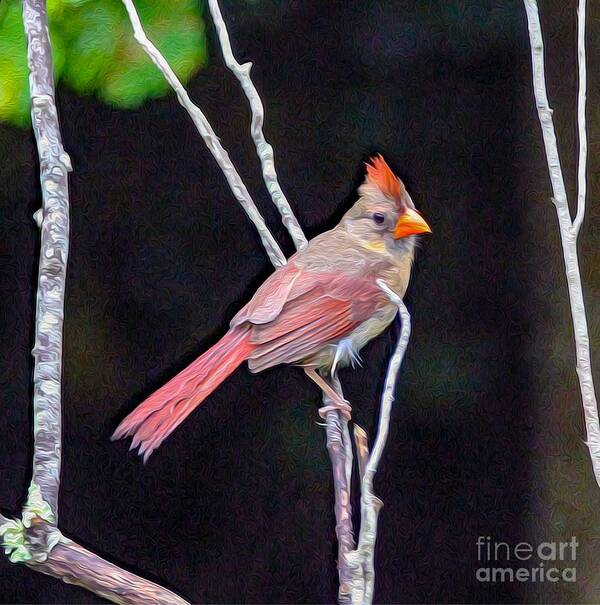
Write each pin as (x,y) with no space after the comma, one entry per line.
(379,218)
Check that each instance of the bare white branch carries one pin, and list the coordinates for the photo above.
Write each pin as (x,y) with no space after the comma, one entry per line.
(74,564)
(205,130)
(361,440)
(581,102)
(54,168)
(263,148)
(34,538)
(387,398)
(347,452)
(340,454)
(362,559)
(568,230)
(543,107)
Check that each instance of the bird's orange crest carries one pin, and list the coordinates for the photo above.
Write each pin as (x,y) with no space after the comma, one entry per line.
(381,175)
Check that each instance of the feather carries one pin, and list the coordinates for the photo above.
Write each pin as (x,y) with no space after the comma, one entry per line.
(381,175)
(381,181)
(324,313)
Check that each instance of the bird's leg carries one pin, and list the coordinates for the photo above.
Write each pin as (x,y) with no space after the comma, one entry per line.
(337,401)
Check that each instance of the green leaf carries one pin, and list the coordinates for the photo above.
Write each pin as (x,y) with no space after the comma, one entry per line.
(3,11)
(15,103)
(58,51)
(14,85)
(177,30)
(94,52)
(90,44)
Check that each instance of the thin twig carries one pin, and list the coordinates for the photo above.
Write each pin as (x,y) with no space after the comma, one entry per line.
(361,440)
(363,558)
(387,398)
(263,149)
(568,229)
(581,100)
(205,130)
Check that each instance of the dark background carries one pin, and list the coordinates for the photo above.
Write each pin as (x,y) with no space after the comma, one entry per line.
(487,432)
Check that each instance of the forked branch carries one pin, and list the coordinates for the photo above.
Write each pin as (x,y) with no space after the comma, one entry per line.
(355,566)
(362,560)
(569,230)
(209,136)
(263,149)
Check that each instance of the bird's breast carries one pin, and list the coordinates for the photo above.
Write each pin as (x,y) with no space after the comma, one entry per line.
(397,275)
(346,351)
(372,327)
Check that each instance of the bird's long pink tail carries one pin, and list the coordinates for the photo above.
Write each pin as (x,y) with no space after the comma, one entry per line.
(159,415)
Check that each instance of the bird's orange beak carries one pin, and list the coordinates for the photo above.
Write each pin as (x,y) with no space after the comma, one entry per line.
(410,223)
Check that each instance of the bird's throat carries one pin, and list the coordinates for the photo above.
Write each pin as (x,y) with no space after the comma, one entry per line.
(376,246)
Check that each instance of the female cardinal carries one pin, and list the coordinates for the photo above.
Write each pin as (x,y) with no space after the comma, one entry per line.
(316,312)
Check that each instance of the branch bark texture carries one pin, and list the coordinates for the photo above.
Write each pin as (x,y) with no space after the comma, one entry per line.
(569,229)
(340,454)
(54,168)
(74,564)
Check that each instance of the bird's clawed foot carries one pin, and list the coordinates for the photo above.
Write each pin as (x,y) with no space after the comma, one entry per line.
(341,404)
(336,401)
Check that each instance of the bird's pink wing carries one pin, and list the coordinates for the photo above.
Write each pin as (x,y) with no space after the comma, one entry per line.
(268,300)
(321,308)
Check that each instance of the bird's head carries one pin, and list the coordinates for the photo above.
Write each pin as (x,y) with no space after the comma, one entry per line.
(384,210)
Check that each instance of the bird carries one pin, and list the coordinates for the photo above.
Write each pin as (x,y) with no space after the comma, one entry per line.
(316,312)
